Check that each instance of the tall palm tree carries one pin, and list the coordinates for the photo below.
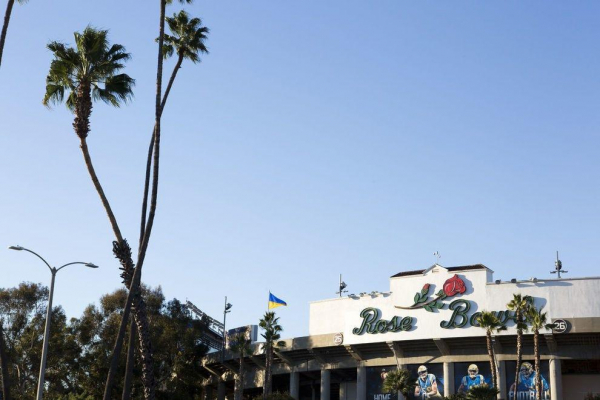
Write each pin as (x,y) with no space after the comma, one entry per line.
(272,333)
(399,381)
(520,305)
(187,41)
(88,72)
(146,224)
(488,321)
(240,344)
(9,7)
(538,321)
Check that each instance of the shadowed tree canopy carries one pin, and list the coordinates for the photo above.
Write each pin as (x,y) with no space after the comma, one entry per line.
(80,348)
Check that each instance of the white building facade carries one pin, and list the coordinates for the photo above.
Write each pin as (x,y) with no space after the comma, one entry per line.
(427,320)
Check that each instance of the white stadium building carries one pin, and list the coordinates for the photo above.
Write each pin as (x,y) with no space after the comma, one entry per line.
(427,321)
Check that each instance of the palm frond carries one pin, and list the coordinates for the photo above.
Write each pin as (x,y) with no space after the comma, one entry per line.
(399,380)
(91,66)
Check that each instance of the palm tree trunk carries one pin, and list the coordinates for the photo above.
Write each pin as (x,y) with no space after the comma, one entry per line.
(4,367)
(151,151)
(492,358)
(519,353)
(267,367)
(7,14)
(139,305)
(240,392)
(269,371)
(130,362)
(123,253)
(536,354)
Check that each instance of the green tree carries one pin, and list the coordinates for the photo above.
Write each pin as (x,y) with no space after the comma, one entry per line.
(487,320)
(538,321)
(520,305)
(22,312)
(399,381)
(482,392)
(7,14)
(240,344)
(272,333)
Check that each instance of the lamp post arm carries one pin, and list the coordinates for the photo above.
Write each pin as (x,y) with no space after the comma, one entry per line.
(71,263)
(38,256)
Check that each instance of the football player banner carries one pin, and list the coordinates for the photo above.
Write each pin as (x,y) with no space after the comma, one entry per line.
(429,381)
(526,382)
(467,375)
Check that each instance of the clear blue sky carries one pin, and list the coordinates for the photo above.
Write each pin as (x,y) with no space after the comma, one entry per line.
(317,138)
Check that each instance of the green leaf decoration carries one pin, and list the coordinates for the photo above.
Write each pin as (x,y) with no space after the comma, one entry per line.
(428,308)
(440,293)
(439,305)
(417,298)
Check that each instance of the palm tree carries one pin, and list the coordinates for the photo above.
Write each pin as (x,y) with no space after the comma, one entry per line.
(9,7)
(187,41)
(240,344)
(88,72)
(399,381)
(488,321)
(538,321)
(520,305)
(270,324)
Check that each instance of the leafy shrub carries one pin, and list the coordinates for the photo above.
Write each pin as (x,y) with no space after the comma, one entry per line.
(482,392)
(458,396)
(399,380)
(280,396)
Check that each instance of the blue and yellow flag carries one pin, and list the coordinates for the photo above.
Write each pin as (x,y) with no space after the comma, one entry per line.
(274,302)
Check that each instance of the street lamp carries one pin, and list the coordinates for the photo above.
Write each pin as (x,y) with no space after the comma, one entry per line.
(226,310)
(53,271)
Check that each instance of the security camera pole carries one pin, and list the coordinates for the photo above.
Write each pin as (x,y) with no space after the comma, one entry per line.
(558,266)
(225,312)
(342,287)
(53,271)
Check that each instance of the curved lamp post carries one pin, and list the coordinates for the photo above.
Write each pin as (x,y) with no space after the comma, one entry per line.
(53,271)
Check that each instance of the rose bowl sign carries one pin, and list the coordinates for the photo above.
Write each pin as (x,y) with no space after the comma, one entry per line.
(451,287)
(373,323)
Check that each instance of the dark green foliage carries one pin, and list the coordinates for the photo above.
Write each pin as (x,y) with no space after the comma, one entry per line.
(458,396)
(92,64)
(399,380)
(279,396)
(79,349)
(187,39)
(482,392)
(591,396)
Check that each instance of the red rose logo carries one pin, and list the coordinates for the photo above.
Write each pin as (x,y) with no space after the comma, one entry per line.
(454,286)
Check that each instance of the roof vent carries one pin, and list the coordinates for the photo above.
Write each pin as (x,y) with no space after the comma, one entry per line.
(513,280)
(497,281)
